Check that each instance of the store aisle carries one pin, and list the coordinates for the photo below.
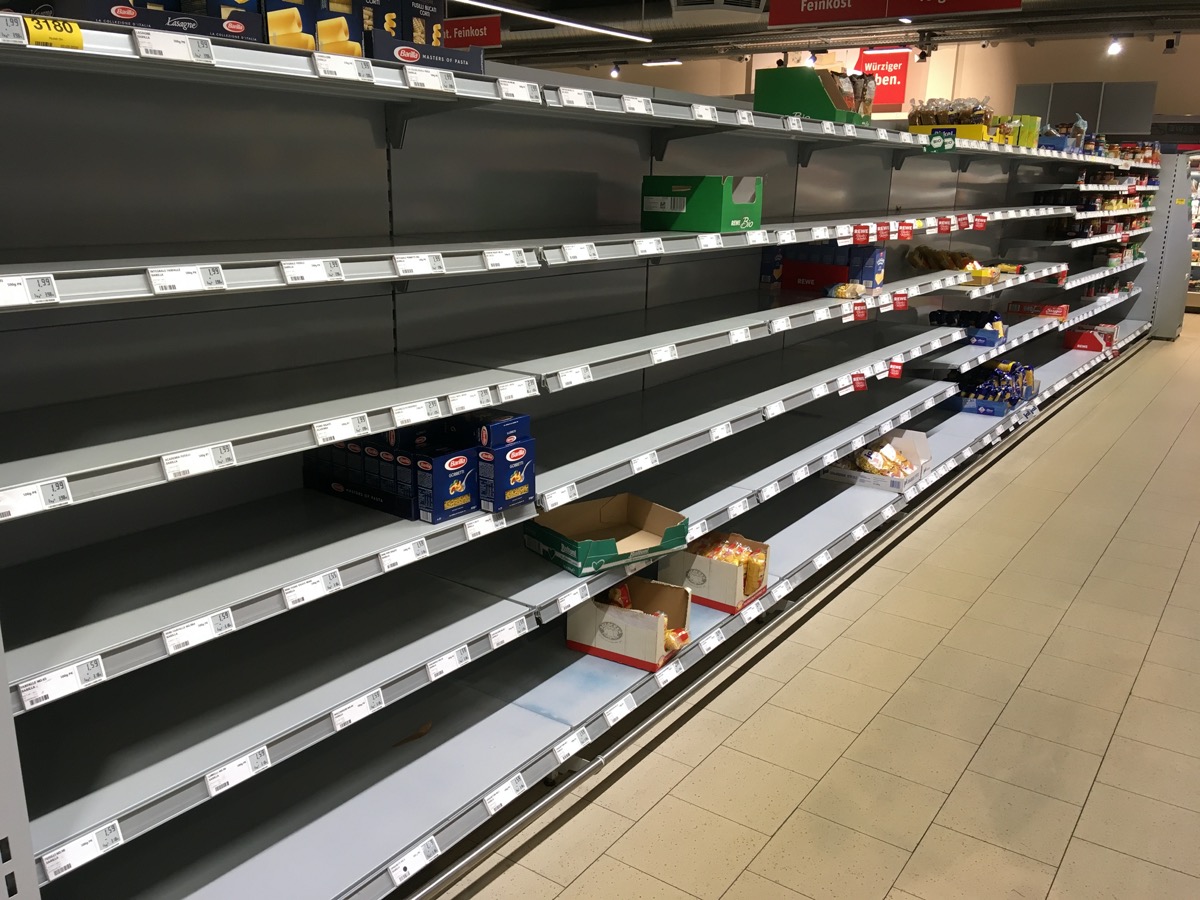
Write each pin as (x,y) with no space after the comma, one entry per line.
(1006,706)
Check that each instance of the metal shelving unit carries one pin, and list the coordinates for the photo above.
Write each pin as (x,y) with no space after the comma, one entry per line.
(376,719)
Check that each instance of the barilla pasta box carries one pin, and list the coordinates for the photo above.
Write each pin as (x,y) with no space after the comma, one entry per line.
(593,535)
(414,21)
(239,25)
(345,483)
(321,26)
(447,483)
(389,48)
(727,586)
(634,636)
(506,475)
(492,428)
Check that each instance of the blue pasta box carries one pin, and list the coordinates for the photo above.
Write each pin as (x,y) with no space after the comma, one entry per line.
(346,482)
(986,337)
(506,475)
(447,482)
(385,47)
(487,428)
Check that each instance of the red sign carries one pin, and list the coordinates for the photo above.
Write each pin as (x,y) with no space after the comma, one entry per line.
(471,31)
(1062,277)
(862,234)
(804,12)
(981,223)
(964,222)
(883,231)
(944,224)
(906,231)
(900,300)
(895,369)
(860,312)
(860,381)
(890,68)
(912,8)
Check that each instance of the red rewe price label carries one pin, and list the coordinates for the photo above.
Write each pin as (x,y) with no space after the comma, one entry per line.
(860,311)
(964,222)
(1124,239)
(900,300)
(883,231)
(981,223)
(859,380)
(862,234)
(944,224)
(895,369)
(906,231)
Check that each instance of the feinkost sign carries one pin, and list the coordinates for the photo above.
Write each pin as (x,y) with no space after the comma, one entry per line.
(804,12)
(471,31)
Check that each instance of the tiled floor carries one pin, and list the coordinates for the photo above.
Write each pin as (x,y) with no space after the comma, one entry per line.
(1007,706)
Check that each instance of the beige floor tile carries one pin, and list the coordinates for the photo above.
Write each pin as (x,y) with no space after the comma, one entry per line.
(697,737)
(1090,871)
(850,604)
(1149,532)
(1187,594)
(877,581)
(819,631)
(995,641)
(1139,826)
(1136,573)
(1150,554)
(826,861)
(972,673)
(1009,816)
(1031,504)
(607,878)
(1152,772)
(501,879)
(1031,762)
(1154,501)
(785,738)
(875,803)
(946,582)
(897,633)
(1045,591)
(907,555)
(784,662)
(1079,682)
(1106,592)
(1012,612)
(953,866)
(1181,622)
(743,696)
(1057,719)
(571,843)
(744,789)
(922,606)
(944,709)
(1112,621)
(927,757)
(1162,726)
(897,894)
(696,850)
(837,701)
(754,887)
(1101,650)
(1043,565)
(1189,572)
(1175,687)
(1175,651)
(955,558)
(1020,529)
(874,666)
(1167,520)
(639,788)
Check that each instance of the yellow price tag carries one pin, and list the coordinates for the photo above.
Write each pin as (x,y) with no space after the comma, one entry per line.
(59,33)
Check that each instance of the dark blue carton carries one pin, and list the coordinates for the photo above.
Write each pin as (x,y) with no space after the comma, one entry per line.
(447,483)
(492,428)
(506,475)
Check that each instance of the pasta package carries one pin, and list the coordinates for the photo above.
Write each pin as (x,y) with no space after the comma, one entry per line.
(723,571)
(327,26)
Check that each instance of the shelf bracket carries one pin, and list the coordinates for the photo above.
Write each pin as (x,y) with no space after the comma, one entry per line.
(398,115)
(660,137)
(900,156)
(804,153)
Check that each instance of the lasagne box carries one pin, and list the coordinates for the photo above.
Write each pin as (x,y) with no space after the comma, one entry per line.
(447,483)
(710,203)
(322,26)
(506,475)
(594,535)
(634,636)
(714,583)
(238,25)
(915,447)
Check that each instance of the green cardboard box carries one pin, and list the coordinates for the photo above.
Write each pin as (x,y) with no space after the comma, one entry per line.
(709,203)
(594,535)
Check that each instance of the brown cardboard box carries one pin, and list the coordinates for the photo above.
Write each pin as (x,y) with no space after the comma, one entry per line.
(635,636)
(713,583)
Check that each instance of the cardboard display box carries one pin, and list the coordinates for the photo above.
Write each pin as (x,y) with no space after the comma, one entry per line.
(714,583)
(594,535)
(1098,338)
(239,25)
(915,447)
(635,636)
(997,408)
(323,26)
(710,203)
(383,46)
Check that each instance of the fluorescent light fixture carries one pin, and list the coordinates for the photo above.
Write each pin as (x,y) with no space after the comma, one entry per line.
(662,62)
(555,20)
(1115,47)
(905,20)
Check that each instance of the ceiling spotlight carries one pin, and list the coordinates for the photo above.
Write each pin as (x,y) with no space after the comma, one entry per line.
(615,72)
(905,20)
(811,61)
(1115,47)
(923,56)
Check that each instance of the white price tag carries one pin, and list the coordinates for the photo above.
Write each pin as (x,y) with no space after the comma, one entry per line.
(930,402)
(166,45)
(425,79)
(508,258)
(573,598)
(935,344)
(857,443)
(720,432)
(579,99)
(820,315)
(775,409)
(234,773)
(888,512)
(827,128)
(507,633)
(845,381)
(736,509)
(800,474)
(669,673)
(885,426)
(199,631)
(819,391)
(905,137)
(922,139)
(311,271)
(580,252)
(341,429)
(186,279)
(793,123)
(465,401)
(199,461)
(61,860)
(312,588)
(349,713)
(642,106)
(783,323)
(484,525)
(786,236)
(644,461)
(709,241)
(444,665)
(663,354)
(882,134)
(738,335)
(34,498)
(349,68)
(849,130)
(414,861)
(517,390)
(403,555)
(507,792)
(859,533)
(904,416)
(697,530)
(12,30)
(20,290)
(822,559)
(766,493)
(560,496)
(522,91)
(569,378)
(572,745)
(61,682)
(702,113)
(648,246)
(752,611)
(912,492)
(421,411)
(620,710)
(756,237)
(711,642)
(412,264)
(745,117)
(820,233)
(844,231)
(830,458)
(781,590)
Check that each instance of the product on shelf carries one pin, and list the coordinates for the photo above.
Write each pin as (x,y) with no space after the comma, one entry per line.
(1023,131)
(410,31)
(930,259)
(710,203)
(723,571)
(325,26)
(823,269)
(893,462)
(996,389)
(1096,338)
(593,535)
(815,93)
(968,118)
(230,23)
(639,623)
(1043,310)
(985,328)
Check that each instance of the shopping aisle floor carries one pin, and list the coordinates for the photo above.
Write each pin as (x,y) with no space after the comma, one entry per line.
(1006,706)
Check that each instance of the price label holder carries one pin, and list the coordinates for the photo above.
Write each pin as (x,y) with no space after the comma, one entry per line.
(669,672)
(849,130)
(333,430)
(521,91)
(620,710)
(799,474)
(906,137)
(409,265)
(414,861)
(72,855)
(774,409)
(783,323)
(827,128)
(573,598)
(403,555)
(465,401)
(793,123)
(508,258)
(830,458)
(648,247)
(349,713)
(820,233)
(57,33)
(505,794)
(819,391)
(845,231)
(560,496)
(822,560)
(888,512)
(421,411)
(711,642)
(34,498)
(198,631)
(202,460)
(12,30)
(754,238)
(697,530)
(702,113)
(517,390)
(766,493)
(186,279)
(507,633)
(21,290)
(820,315)
(745,117)
(312,588)
(709,241)
(781,590)
(572,745)
(859,533)
(786,236)
(644,461)
(569,378)
(720,432)
(425,79)
(738,335)
(450,662)
(580,252)
(737,509)
(61,682)
(663,354)
(347,68)
(882,134)
(312,271)
(484,525)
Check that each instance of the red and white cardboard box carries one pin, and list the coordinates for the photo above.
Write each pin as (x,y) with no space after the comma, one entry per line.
(635,636)
(713,582)
(915,447)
